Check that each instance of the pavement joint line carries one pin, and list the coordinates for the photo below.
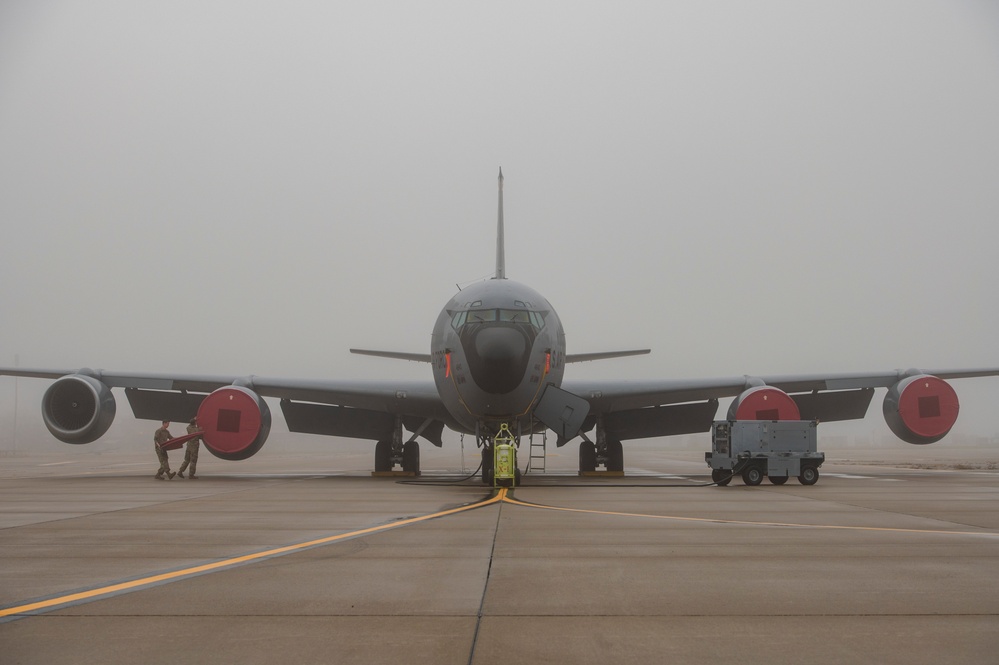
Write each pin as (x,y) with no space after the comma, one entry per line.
(713,520)
(501,496)
(99,593)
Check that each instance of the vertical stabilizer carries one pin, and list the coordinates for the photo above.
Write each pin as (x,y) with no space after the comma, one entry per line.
(500,257)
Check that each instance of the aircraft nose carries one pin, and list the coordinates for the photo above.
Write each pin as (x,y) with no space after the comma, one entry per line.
(500,345)
(498,358)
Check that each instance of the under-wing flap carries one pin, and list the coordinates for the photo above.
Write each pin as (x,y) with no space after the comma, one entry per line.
(667,420)
(836,405)
(338,421)
(429,429)
(162,405)
(562,412)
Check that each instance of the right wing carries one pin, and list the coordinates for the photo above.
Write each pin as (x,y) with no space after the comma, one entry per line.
(586,357)
(641,409)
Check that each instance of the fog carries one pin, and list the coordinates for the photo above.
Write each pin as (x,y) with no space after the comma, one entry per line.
(253,188)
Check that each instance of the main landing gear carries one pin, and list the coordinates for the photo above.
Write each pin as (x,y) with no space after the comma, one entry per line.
(605,452)
(389,453)
(405,455)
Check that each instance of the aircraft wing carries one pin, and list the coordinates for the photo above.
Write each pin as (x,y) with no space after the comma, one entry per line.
(357,409)
(639,409)
(608,396)
(422,395)
(417,398)
(611,396)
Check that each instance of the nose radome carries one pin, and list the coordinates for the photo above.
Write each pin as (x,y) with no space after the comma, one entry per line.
(499,345)
(498,358)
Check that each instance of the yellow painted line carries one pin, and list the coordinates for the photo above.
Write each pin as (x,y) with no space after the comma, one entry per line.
(94,594)
(711,520)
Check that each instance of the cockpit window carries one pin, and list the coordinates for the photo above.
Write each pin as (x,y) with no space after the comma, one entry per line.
(470,316)
(481,315)
(514,315)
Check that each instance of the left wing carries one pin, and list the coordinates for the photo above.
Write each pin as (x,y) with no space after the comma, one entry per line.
(640,409)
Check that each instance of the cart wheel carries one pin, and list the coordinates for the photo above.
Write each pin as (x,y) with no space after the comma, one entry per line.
(809,475)
(752,475)
(721,477)
(778,480)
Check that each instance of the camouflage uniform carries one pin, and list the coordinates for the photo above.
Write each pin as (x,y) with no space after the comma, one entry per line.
(191,452)
(162,436)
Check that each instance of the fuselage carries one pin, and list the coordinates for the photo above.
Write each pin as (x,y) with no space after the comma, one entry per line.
(495,347)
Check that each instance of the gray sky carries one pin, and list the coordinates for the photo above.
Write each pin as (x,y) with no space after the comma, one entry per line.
(252,187)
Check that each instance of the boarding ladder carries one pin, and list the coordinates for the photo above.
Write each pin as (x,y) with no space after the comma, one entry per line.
(536,461)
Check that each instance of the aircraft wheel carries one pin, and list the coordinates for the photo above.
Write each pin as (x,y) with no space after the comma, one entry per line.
(383,456)
(721,476)
(778,480)
(809,475)
(516,478)
(615,456)
(752,475)
(587,457)
(411,457)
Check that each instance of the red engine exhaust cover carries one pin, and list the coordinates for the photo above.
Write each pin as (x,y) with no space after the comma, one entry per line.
(236,422)
(178,441)
(921,409)
(763,403)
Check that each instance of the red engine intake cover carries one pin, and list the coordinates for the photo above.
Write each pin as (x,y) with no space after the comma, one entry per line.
(236,422)
(764,403)
(923,407)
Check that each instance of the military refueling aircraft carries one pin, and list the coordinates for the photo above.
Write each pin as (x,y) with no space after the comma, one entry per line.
(498,357)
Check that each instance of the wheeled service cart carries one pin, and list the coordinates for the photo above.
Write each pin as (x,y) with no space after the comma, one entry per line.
(754,449)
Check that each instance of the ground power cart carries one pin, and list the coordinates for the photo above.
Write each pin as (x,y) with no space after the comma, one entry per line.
(777,449)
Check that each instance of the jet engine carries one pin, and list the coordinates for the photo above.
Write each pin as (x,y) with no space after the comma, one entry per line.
(763,403)
(78,409)
(236,422)
(921,409)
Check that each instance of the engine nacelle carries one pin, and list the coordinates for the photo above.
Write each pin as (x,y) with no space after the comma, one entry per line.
(921,409)
(763,403)
(78,409)
(236,422)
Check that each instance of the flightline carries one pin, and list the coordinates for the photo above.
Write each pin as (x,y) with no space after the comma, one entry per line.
(108,591)
(713,520)
(501,495)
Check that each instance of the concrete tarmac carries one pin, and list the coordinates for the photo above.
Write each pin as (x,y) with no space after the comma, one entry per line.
(272,560)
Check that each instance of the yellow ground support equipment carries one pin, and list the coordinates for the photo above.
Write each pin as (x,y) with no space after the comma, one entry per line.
(504,458)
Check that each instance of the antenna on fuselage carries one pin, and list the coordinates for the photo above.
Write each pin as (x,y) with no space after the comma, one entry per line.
(500,258)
